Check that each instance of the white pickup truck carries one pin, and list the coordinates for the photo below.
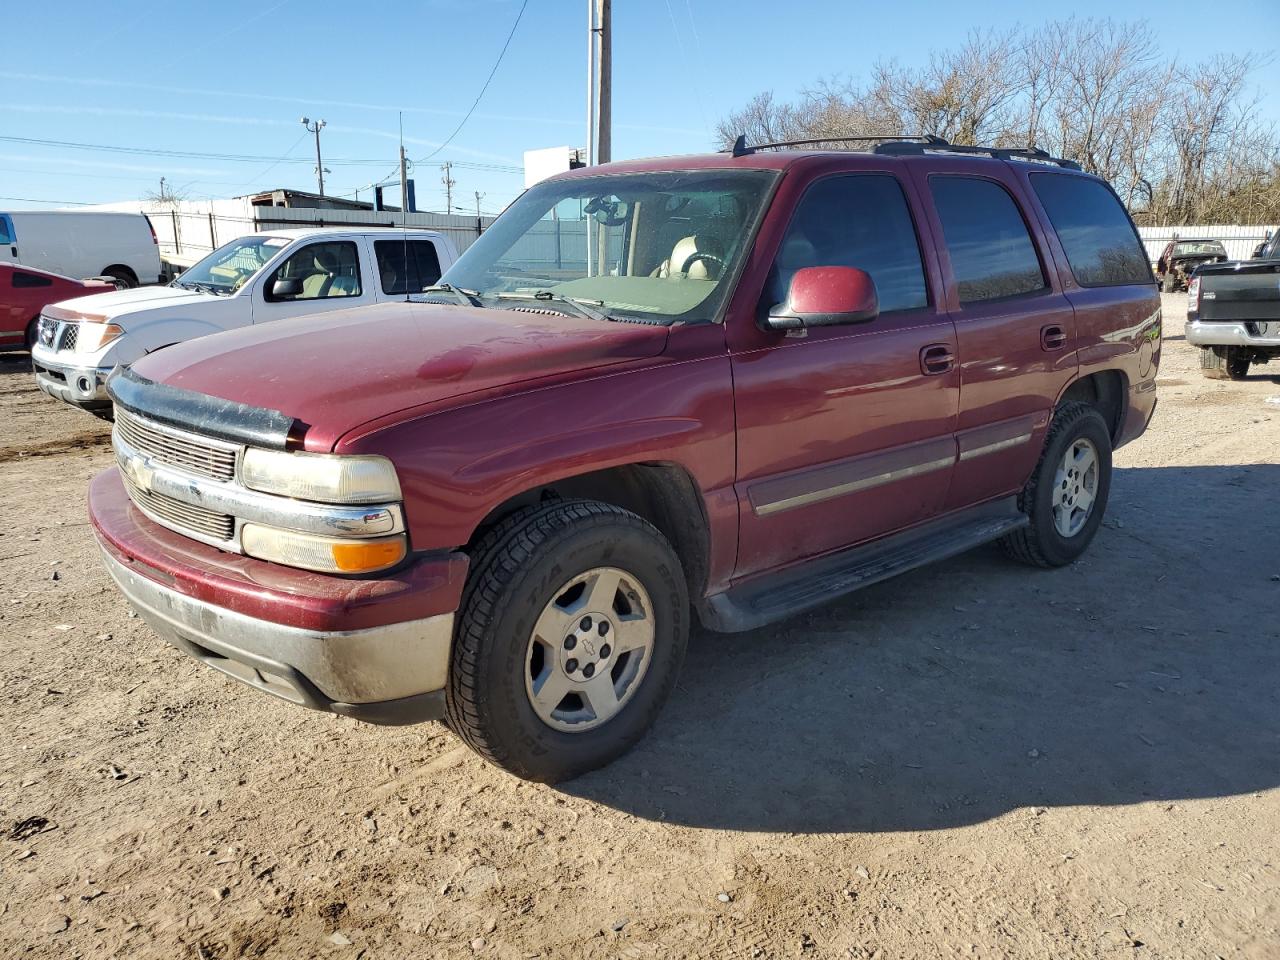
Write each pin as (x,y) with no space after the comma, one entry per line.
(255,279)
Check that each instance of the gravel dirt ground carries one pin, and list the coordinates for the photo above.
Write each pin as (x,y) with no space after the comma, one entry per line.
(974,760)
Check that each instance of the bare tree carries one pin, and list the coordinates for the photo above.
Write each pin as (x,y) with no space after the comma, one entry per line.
(1179,143)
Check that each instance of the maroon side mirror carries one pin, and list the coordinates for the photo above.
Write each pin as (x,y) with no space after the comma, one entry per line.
(826,296)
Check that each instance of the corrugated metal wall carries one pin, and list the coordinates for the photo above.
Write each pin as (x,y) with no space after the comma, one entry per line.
(191,229)
(1238,240)
(463,230)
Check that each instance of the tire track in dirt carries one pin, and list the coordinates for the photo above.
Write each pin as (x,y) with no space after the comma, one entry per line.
(86,440)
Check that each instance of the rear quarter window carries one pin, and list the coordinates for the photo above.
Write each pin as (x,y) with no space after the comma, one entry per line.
(1097,236)
(23,279)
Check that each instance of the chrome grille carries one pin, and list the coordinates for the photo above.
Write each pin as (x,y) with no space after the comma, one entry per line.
(184,517)
(176,448)
(70,334)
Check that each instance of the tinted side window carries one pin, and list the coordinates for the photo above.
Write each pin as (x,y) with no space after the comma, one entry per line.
(322,271)
(422,269)
(6,234)
(1096,234)
(992,255)
(859,221)
(23,279)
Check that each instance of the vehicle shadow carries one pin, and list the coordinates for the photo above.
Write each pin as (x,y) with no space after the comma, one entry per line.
(15,361)
(1150,670)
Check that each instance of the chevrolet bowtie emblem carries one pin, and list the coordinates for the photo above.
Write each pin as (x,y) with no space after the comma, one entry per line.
(141,473)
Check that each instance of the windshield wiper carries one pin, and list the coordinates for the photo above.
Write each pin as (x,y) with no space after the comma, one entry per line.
(584,306)
(194,285)
(468,298)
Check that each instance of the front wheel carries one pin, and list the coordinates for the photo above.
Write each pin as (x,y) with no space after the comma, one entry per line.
(572,629)
(1067,494)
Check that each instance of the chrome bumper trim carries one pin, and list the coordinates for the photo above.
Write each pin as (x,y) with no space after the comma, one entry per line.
(1226,333)
(69,389)
(317,669)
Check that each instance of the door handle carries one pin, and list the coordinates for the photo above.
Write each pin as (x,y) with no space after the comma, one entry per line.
(937,358)
(1052,337)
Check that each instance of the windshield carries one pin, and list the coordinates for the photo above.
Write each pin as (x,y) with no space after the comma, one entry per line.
(229,268)
(661,246)
(1210,248)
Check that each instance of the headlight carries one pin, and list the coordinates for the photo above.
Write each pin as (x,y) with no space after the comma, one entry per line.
(321,477)
(94,336)
(324,554)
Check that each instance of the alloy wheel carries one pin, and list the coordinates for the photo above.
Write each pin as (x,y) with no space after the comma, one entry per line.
(589,650)
(1075,487)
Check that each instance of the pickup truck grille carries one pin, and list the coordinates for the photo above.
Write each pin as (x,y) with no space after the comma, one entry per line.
(177,448)
(70,334)
(182,517)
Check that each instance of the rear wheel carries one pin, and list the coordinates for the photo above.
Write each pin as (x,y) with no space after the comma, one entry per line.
(123,276)
(1066,496)
(32,333)
(1224,363)
(573,625)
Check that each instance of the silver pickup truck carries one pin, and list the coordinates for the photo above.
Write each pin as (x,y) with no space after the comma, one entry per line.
(1233,313)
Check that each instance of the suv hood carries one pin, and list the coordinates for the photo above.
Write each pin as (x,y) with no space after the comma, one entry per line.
(337,371)
(118,303)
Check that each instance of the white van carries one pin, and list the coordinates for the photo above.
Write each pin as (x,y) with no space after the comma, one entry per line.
(254,279)
(117,245)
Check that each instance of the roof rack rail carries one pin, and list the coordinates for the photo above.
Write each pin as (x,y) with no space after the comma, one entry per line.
(741,148)
(1031,154)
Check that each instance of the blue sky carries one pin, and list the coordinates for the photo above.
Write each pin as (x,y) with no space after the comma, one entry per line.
(233,79)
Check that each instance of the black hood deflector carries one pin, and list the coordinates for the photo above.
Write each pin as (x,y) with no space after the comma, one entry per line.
(201,413)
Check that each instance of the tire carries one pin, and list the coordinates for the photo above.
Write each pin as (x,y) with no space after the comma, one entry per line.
(1042,543)
(1166,285)
(123,276)
(515,589)
(31,334)
(1224,363)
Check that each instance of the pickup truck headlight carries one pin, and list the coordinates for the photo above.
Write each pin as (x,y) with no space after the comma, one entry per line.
(94,336)
(324,554)
(321,477)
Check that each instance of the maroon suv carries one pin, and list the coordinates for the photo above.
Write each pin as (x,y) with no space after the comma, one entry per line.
(735,386)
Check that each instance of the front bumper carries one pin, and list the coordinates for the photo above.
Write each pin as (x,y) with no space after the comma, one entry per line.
(84,387)
(375,650)
(1228,333)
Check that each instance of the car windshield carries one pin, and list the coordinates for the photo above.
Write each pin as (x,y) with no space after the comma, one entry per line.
(1209,248)
(230,267)
(656,246)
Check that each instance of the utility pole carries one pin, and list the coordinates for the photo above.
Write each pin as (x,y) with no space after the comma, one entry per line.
(604,83)
(404,182)
(315,128)
(448,182)
(591,85)
(478,196)
(599,81)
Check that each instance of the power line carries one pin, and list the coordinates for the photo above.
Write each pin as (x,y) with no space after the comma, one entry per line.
(236,157)
(70,203)
(480,95)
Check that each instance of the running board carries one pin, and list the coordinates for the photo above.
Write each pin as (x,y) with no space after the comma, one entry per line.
(773,597)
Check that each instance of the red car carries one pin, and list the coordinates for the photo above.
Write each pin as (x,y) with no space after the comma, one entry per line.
(25,291)
(732,386)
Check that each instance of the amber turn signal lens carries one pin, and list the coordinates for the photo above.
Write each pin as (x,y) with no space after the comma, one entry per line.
(359,556)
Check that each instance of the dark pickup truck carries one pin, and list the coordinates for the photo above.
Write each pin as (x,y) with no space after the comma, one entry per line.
(1233,313)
